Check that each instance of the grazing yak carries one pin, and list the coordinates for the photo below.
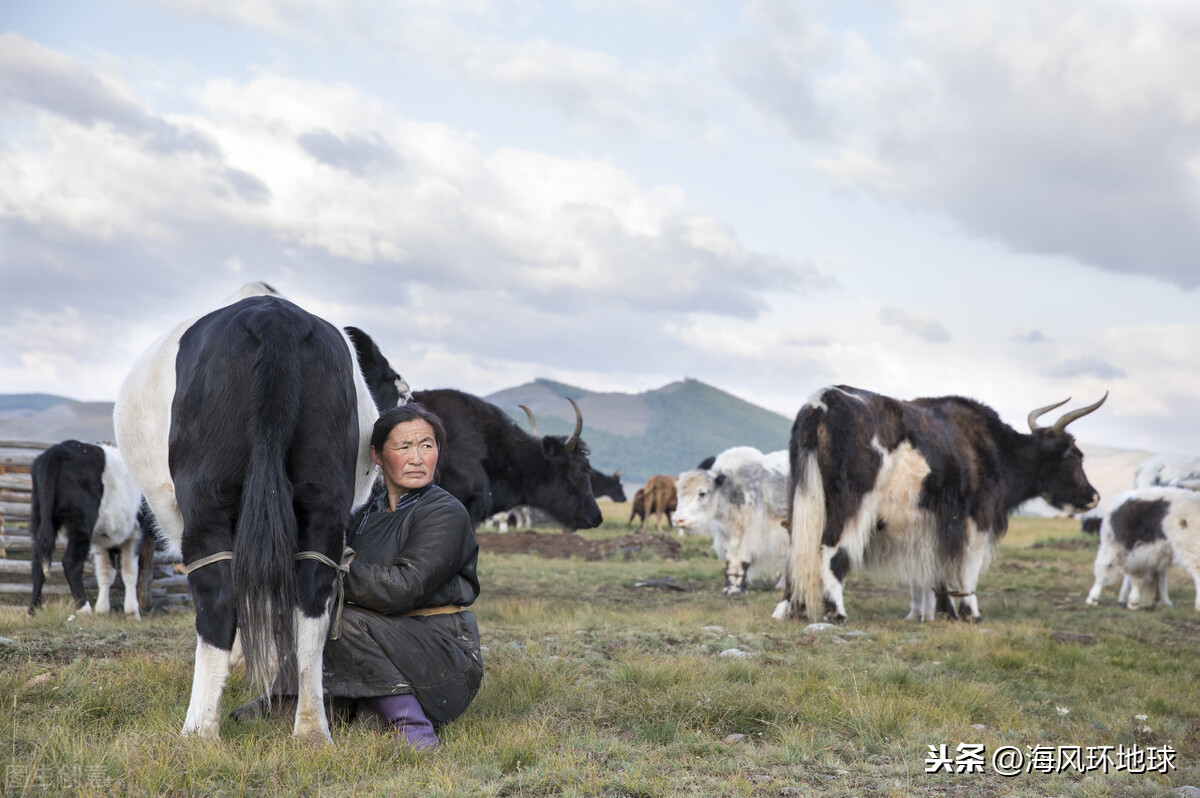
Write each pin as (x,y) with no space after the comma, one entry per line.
(920,489)
(491,465)
(742,500)
(86,493)
(249,429)
(1145,532)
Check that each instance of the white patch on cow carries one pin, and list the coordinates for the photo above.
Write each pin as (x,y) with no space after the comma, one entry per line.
(208,683)
(310,643)
(365,472)
(117,528)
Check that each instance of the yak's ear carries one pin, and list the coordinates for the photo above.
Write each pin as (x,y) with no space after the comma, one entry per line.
(720,480)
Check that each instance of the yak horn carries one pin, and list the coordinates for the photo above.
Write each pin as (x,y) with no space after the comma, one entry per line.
(574,439)
(1067,418)
(1041,411)
(532,420)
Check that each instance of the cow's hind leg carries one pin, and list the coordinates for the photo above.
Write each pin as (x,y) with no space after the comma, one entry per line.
(216,622)
(835,564)
(314,585)
(1123,593)
(78,544)
(129,577)
(105,576)
(1162,597)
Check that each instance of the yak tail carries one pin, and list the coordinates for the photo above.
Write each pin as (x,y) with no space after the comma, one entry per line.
(41,525)
(266,536)
(807,527)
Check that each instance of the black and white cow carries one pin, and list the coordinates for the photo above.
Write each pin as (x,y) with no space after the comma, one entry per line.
(249,431)
(491,465)
(919,489)
(742,501)
(85,493)
(1144,532)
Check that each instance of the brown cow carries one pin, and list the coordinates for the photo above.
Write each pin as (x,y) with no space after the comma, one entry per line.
(657,498)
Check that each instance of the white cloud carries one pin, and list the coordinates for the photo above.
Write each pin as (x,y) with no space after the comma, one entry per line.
(1057,127)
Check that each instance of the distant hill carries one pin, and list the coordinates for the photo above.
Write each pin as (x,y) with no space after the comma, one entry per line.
(663,431)
(49,418)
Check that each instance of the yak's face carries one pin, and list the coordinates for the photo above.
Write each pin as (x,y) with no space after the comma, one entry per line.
(1061,480)
(566,489)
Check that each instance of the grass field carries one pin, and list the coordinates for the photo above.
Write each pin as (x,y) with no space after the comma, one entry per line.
(596,687)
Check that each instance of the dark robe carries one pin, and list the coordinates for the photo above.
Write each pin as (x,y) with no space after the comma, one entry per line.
(420,556)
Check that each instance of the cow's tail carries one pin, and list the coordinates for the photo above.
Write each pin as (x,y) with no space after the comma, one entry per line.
(41,526)
(265,538)
(805,530)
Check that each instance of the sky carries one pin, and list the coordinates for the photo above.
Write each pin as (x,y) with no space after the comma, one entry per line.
(919,198)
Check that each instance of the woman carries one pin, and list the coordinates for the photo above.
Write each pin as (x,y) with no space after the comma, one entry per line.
(407,650)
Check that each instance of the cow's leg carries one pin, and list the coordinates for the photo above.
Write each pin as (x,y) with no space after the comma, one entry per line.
(78,544)
(1135,591)
(1161,597)
(1104,571)
(40,559)
(835,564)
(216,623)
(736,577)
(314,585)
(916,603)
(145,581)
(129,576)
(310,703)
(1123,593)
(105,576)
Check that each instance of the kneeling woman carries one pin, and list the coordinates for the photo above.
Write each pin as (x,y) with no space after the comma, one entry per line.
(407,648)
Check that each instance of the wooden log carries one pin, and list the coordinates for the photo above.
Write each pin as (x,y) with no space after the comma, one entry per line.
(41,446)
(21,482)
(13,458)
(15,510)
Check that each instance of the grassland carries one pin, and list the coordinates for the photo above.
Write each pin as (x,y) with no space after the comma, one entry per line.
(595,686)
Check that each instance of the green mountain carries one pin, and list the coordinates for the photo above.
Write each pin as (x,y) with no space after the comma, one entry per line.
(664,431)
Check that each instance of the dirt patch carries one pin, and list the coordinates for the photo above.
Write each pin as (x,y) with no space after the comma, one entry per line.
(564,545)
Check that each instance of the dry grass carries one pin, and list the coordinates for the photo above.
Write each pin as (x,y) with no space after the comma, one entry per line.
(597,687)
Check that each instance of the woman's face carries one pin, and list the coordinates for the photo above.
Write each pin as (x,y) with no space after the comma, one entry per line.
(409,456)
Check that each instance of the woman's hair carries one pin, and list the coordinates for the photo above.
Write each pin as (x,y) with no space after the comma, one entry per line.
(412,411)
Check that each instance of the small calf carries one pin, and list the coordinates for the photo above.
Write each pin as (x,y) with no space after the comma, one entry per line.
(1144,532)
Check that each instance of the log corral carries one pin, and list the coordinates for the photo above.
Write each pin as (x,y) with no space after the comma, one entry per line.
(166,588)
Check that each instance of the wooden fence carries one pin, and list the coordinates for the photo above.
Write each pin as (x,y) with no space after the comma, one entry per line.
(165,587)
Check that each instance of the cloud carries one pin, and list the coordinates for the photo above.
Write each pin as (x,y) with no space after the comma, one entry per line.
(1055,127)
(914,324)
(1085,366)
(775,67)
(1031,337)
(334,196)
(359,155)
(36,77)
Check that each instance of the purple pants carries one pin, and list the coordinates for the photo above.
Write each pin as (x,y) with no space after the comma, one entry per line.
(405,714)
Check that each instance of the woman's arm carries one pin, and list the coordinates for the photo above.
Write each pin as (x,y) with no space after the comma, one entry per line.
(432,555)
